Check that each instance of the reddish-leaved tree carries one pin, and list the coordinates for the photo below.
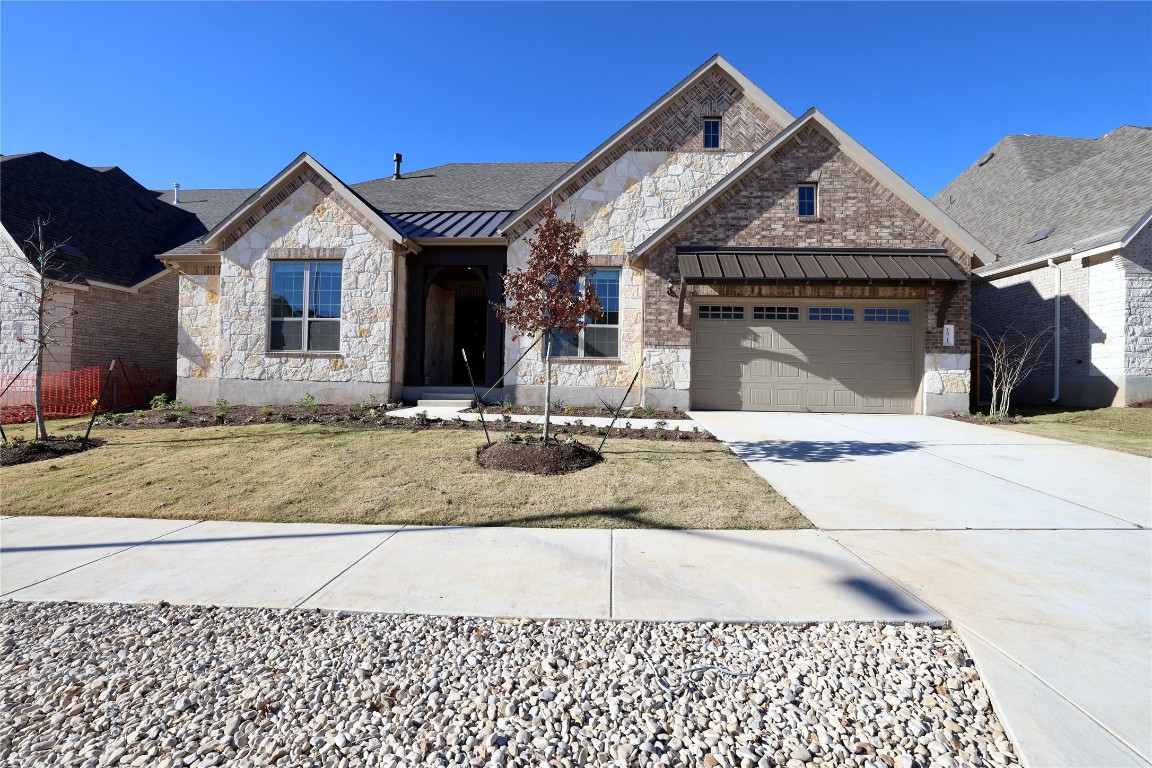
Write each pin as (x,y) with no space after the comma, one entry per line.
(552,294)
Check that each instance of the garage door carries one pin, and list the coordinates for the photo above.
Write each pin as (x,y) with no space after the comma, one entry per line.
(819,356)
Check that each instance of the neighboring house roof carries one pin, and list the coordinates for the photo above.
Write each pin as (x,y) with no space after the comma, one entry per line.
(885,175)
(1089,191)
(460,187)
(750,89)
(209,207)
(113,225)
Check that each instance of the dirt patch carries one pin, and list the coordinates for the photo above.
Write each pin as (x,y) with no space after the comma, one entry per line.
(582,411)
(1141,404)
(537,458)
(361,417)
(24,451)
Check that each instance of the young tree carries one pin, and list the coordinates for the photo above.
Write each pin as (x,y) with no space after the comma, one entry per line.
(552,294)
(40,286)
(1012,356)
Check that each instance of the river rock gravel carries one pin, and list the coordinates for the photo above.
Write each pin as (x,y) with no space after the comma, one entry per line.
(167,686)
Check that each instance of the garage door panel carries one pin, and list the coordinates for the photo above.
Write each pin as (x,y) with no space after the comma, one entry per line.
(796,363)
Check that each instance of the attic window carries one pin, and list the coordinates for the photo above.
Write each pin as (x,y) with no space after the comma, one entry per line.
(711,133)
(1041,234)
(984,160)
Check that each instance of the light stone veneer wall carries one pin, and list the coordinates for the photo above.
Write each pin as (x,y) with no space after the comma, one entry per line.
(224,319)
(1106,317)
(947,382)
(1137,263)
(18,316)
(620,208)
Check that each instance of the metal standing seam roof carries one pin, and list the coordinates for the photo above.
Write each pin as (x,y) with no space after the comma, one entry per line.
(768,264)
(448,223)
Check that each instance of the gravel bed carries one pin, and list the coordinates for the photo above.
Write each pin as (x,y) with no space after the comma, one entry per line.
(184,686)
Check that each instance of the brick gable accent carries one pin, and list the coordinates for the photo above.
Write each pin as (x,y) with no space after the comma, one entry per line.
(855,210)
(679,127)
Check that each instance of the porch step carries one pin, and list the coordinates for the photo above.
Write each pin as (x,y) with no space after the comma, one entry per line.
(434,402)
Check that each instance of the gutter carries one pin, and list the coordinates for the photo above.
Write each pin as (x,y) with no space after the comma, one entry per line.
(989,273)
(1056,331)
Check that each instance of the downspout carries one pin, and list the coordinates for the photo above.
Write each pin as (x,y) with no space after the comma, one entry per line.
(1056,332)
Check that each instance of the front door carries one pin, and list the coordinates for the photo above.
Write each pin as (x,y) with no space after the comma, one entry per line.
(471,332)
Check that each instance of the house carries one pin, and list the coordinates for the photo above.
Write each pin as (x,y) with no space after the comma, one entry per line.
(745,258)
(1068,221)
(111,297)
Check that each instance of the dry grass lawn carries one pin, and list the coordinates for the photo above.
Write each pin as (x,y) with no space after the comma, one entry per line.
(1121,429)
(289,473)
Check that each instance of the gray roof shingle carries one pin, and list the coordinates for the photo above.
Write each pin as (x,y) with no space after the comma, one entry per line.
(1090,190)
(209,207)
(460,187)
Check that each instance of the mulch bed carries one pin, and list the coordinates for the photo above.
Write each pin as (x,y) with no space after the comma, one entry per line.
(24,451)
(979,418)
(356,417)
(582,411)
(537,458)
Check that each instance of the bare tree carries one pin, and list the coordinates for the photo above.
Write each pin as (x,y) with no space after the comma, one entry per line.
(41,286)
(552,294)
(1012,356)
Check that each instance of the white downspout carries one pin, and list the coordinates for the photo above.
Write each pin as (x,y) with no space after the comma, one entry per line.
(1056,332)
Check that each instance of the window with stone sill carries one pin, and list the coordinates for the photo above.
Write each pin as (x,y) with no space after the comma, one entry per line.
(806,200)
(304,306)
(601,337)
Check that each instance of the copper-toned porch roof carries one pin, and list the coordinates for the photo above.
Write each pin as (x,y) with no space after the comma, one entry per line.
(757,265)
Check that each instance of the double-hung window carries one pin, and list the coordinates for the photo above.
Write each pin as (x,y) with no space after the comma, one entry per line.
(806,194)
(601,337)
(304,307)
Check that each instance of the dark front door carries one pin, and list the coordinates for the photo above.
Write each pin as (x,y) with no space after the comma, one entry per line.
(470,335)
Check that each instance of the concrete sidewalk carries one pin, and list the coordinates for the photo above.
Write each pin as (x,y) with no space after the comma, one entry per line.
(1037,550)
(739,576)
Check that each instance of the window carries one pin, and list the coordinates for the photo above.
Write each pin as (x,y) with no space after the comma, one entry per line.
(601,337)
(776,313)
(711,133)
(887,315)
(832,314)
(807,200)
(716,312)
(305,306)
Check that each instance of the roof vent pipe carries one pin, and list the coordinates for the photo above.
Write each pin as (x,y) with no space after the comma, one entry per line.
(176,194)
(397,159)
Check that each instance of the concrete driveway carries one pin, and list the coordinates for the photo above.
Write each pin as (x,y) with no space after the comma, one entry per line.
(1039,552)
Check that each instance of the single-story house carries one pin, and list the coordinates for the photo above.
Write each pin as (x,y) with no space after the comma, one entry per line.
(745,258)
(1068,220)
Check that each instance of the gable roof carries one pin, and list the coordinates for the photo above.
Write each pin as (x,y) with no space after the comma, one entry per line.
(1091,191)
(881,172)
(460,187)
(716,62)
(265,193)
(114,225)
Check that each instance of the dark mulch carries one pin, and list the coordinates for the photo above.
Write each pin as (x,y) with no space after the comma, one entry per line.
(1142,404)
(355,417)
(583,411)
(537,458)
(24,451)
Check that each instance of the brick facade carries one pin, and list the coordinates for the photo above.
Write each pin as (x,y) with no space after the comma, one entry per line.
(139,328)
(854,210)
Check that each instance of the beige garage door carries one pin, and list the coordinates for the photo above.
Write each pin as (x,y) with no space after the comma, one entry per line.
(811,356)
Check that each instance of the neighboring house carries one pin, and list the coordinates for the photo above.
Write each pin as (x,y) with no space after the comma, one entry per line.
(745,258)
(115,298)
(1068,220)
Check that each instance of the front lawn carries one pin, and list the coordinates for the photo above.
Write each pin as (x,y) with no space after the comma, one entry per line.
(1121,429)
(316,473)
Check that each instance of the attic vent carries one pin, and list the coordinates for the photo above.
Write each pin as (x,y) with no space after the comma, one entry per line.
(1041,234)
(984,160)
(145,203)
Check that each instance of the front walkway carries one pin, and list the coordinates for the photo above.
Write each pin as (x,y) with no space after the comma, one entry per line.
(1038,551)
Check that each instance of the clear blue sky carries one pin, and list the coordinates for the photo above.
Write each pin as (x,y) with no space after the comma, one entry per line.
(226,94)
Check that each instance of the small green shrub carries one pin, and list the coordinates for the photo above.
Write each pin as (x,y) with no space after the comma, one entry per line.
(159,403)
(221,412)
(308,403)
(138,414)
(357,411)
(421,419)
(171,416)
(649,410)
(571,409)
(661,424)
(266,411)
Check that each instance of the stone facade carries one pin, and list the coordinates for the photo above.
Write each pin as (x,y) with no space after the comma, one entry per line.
(224,318)
(1137,263)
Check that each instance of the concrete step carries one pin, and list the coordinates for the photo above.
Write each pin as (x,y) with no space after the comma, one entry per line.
(436,403)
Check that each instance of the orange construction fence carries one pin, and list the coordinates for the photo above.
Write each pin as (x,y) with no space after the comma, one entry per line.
(72,393)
